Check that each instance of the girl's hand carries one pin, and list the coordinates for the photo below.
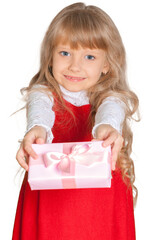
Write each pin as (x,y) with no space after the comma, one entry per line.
(36,135)
(110,136)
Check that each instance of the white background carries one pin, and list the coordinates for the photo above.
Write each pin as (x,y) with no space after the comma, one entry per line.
(22,27)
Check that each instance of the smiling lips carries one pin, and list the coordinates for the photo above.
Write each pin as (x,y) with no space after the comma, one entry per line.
(74,79)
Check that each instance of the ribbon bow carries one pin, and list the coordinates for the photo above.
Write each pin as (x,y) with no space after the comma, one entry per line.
(63,160)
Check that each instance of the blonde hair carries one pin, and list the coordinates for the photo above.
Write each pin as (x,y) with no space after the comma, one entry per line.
(91,27)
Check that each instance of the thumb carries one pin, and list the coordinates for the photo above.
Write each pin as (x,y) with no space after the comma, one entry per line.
(40,140)
(101,135)
(40,135)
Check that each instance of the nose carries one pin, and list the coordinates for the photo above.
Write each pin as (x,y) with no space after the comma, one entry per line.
(75,64)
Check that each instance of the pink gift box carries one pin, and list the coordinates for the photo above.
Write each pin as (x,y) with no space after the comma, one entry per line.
(70,165)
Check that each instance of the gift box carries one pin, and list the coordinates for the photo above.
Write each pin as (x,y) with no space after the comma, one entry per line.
(70,165)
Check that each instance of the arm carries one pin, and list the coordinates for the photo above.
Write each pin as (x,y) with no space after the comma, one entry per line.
(40,113)
(108,125)
(40,120)
(112,112)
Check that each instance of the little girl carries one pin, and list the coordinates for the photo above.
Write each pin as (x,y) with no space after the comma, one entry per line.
(79,94)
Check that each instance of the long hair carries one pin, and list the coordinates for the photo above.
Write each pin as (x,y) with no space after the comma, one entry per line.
(90,27)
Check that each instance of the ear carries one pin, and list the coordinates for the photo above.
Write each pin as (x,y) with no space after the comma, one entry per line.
(105,67)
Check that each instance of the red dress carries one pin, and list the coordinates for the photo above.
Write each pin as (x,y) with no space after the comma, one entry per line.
(75,214)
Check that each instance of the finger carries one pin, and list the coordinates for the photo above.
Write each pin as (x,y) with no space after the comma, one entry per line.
(114,160)
(29,150)
(23,163)
(95,140)
(116,148)
(20,157)
(118,143)
(113,166)
(40,141)
(110,139)
(102,135)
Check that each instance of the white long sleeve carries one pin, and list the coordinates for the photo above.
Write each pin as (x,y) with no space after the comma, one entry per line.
(111,111)
(40,112)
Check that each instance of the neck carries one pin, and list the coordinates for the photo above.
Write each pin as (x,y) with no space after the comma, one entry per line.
(76,98)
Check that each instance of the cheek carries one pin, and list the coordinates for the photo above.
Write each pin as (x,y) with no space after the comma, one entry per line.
(55,66)
(97,72)
(58,65)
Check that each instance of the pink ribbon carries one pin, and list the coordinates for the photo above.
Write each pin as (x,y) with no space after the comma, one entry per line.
(66,162)
(78,154)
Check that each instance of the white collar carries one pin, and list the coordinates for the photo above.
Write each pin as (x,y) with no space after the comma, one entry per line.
(76,98)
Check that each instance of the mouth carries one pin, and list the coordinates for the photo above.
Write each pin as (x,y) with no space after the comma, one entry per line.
(74,79)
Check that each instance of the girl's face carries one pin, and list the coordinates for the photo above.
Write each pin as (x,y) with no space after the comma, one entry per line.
(78,69)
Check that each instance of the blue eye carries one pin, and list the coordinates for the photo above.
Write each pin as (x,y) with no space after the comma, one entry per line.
(90,57)
(64,53)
